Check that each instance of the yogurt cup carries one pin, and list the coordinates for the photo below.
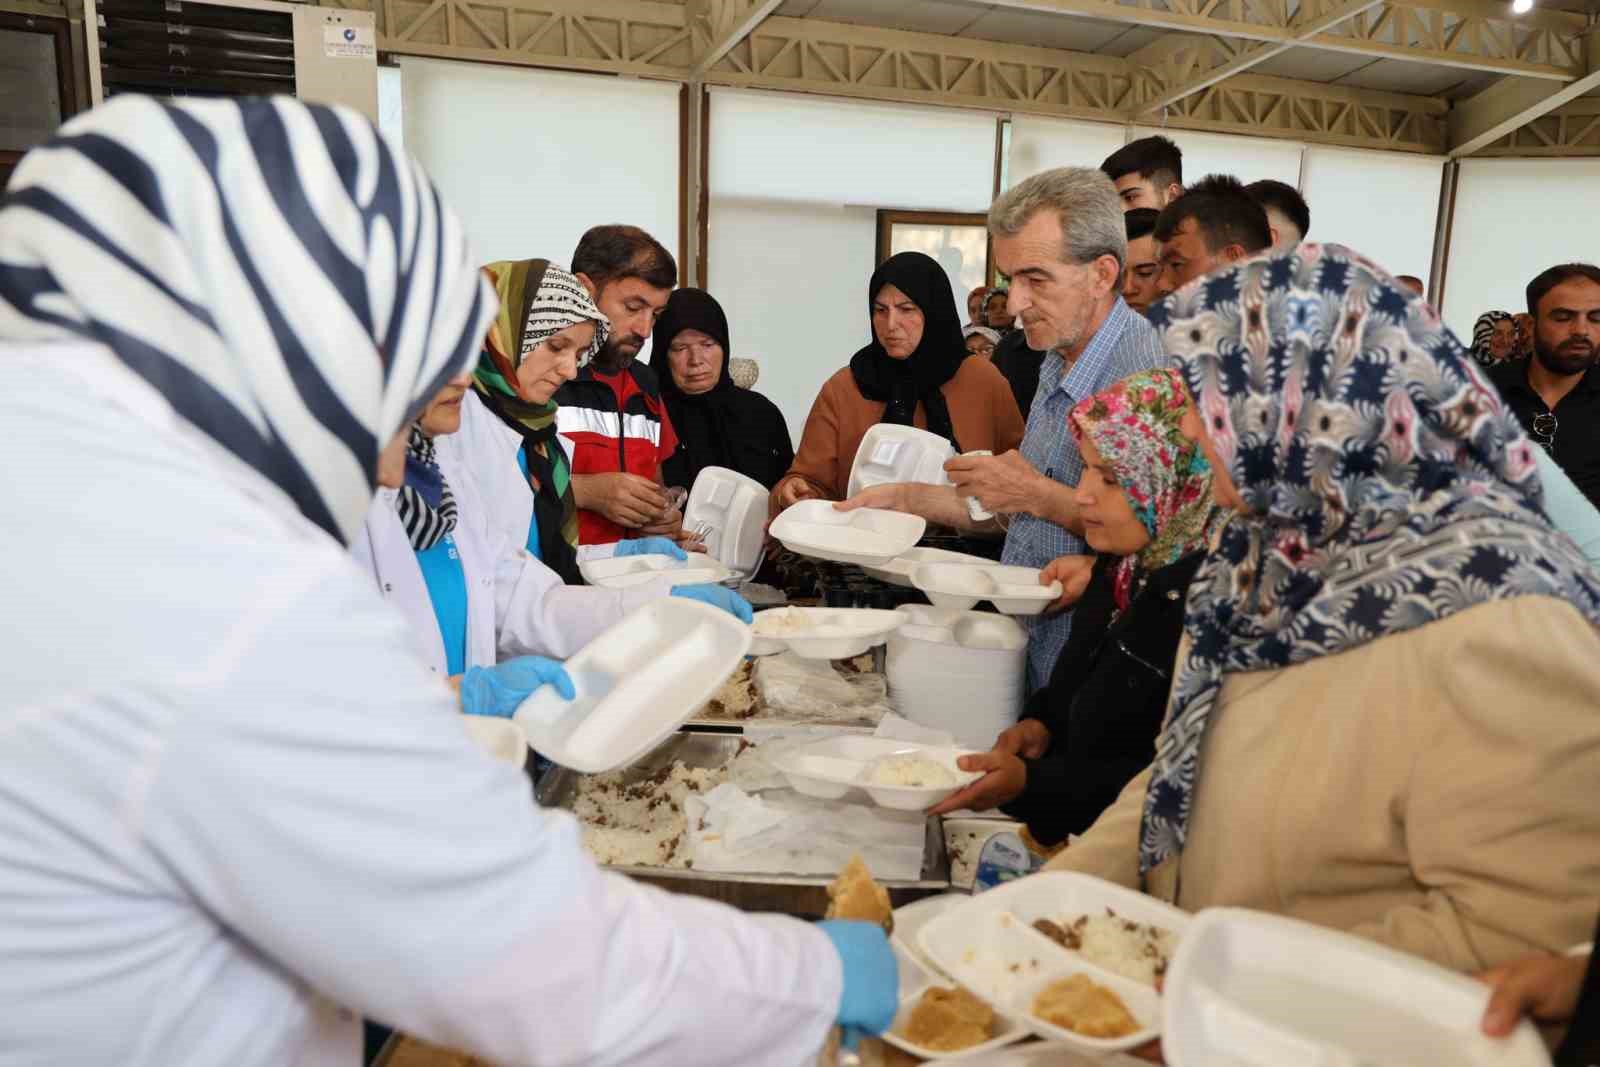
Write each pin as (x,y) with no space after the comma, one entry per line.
(974,508)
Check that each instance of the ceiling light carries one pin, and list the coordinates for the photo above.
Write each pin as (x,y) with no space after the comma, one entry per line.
(1521,7)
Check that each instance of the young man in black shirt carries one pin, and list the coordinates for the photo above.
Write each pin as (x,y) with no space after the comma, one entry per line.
(1556,393)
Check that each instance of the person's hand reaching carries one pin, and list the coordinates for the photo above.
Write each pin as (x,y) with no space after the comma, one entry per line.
(1543,988)
(1073,572)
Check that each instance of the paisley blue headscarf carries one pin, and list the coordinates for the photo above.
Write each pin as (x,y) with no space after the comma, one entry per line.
(1385,486)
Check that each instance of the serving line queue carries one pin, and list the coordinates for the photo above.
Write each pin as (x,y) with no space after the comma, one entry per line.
(258,810)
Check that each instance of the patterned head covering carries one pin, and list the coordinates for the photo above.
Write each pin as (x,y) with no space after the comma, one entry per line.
(1135,426)
(1385,484)
(290,283)
(1483,335)
(426,506)
(538,299)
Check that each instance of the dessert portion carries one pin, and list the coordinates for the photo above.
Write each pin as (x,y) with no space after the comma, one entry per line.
(1122,946)
(917,772)
(948,1020)
(854,895)
(1085,1007)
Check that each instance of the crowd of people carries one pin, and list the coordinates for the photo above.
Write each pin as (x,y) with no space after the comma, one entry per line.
(1326,645)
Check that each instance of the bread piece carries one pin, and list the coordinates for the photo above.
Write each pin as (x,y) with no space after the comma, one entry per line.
(854,895)
(1082,1006)
(949,1020)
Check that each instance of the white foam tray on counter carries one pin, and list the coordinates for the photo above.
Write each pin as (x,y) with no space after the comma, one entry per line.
(734,506)
(898,570)
(832,633)
(866,536)
(890,453)
(1012,590)
(1257,990)
(1008,1030)
(836,767)
(980,941)
(636,684)
(619,572)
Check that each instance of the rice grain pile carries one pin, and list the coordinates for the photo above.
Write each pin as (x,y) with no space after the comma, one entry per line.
(1122,946)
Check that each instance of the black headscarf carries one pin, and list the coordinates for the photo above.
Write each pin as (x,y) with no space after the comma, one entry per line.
(725,426)
(902,383)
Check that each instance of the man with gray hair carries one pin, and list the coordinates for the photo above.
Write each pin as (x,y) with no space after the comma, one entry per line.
(1061,237)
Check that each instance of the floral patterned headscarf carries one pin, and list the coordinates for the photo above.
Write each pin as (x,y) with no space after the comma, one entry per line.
(1385,486)
(1135,426)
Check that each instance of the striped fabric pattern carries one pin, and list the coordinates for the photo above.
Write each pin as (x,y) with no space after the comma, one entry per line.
(290,282)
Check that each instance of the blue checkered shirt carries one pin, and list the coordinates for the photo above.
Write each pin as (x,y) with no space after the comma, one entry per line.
(1125,344)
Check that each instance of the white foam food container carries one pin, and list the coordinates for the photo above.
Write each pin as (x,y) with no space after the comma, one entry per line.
(1064,895)
(1248,989)
(619,572)
(909,919)
(836,767)
(636,683)
(1007,1031)
(964,839)
(734,506)
(890,454)
(1003,960)
(1012,590)
(898,570)
(866,536)
(827,633)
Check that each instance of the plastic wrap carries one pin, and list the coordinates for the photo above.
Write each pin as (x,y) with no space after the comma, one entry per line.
(814,691)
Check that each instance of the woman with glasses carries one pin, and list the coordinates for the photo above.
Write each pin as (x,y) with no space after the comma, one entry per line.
(437,545)
(718,423)
(1146,499)
(1382,713)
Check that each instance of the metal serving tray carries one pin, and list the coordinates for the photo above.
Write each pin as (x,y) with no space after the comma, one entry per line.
(803,895)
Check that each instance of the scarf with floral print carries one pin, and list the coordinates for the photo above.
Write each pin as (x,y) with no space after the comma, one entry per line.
(1135,426)
(1385,486)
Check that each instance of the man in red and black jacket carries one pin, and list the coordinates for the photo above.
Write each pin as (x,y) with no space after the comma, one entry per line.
(611,417)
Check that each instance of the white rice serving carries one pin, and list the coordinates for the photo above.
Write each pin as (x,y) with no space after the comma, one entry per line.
(916,772)
(1133,950)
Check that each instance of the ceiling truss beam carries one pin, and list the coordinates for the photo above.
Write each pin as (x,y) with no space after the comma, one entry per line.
(728,22)
(1476,35)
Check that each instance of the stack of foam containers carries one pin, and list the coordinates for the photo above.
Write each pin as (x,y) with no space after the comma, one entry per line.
(958,671)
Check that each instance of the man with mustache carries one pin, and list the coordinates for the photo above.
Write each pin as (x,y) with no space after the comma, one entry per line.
(1556,394)
(611,417)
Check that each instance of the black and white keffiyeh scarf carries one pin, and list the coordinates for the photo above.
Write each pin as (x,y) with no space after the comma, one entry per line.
(290,283)
(427,510)
(1385,486)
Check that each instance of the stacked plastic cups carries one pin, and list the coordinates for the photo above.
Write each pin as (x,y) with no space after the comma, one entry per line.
(958,671)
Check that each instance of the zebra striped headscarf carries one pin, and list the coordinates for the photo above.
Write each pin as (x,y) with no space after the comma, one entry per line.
(426,506)
(288,281)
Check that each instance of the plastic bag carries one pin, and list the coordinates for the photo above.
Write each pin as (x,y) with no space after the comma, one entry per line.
(813,691)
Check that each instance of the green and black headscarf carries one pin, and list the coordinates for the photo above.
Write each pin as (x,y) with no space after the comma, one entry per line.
(537,299)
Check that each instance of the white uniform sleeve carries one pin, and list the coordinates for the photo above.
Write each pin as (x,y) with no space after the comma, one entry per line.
(323,802)
(538,614)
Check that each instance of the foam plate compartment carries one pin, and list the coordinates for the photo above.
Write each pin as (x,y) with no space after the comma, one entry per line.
(636,683)
(822,633)
(836,766)
(619,572)
(735,507)
(866,536)
(891,453)
(1251,989)
(1007,1030)
(1012,590)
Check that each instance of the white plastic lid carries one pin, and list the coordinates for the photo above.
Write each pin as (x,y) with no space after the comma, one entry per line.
(1248,989)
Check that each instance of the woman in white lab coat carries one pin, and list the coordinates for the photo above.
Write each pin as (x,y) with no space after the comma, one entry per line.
(236,810)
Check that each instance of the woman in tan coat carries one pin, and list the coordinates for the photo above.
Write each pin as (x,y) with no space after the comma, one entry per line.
(1385,713)
(916,372)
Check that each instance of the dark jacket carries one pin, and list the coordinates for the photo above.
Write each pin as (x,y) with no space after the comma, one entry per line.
(1020,365)
(1105,701)
(749,436)
(1582,1046)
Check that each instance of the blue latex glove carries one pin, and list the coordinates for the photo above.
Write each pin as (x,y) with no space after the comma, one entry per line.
(650,546)
(499,690)
(871,993)
(718,597)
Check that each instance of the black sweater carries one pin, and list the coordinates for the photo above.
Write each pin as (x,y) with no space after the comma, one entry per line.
(1105,701)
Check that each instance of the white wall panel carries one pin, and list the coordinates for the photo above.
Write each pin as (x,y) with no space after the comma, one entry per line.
(1039,144)
(817,150)
(795,184)
(531,159)
(1514,218)
(1384,205)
